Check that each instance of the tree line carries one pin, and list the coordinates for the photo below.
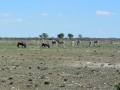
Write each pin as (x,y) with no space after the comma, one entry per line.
(61,35)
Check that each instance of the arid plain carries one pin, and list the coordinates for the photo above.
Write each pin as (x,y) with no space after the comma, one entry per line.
(60,68)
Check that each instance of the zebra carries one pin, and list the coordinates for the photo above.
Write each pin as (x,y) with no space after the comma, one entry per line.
(90,43)
(61,42)
(78,42)
(54,42)
(72,43)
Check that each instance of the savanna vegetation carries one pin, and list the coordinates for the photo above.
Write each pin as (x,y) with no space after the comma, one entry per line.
(59,68)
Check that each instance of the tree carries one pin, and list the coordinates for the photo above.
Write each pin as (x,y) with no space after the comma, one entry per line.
(70,35)
(40,36)
(80,35)
(44,35)
(61,35)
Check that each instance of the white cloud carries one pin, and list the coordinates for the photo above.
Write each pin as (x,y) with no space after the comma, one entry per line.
(44,14)
(6,21)
(104,13)
(18,20)
(5,14)
(10,20)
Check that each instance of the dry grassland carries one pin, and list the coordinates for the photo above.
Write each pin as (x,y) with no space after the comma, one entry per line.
(70,68)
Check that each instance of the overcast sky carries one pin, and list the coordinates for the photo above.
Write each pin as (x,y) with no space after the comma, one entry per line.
(31,18)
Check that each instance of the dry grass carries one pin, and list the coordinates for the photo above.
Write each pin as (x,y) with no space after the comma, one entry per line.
(69,68)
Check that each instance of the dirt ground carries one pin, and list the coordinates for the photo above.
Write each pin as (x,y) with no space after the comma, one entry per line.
(69,68)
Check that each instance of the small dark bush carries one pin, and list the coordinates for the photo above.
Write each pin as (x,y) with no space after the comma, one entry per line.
(43,77)
(10,83)
(38,67)
(118,86)
(46,82)
(44,68)
(62,85)
(65,79)
(30,79)
(10,78)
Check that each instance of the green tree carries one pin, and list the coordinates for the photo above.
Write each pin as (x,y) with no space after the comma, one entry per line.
(70,35)
(44,35)
(61,35)
(80,35)
(40,36)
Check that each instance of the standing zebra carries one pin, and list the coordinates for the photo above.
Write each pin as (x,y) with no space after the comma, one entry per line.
(54,42)
(78,42)
(72,43)
(61,42)
(90,43)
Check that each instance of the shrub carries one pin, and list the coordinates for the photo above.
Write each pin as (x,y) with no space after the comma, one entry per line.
(44,68)
(118,86)
(43,77)
(62,85)
(46,82)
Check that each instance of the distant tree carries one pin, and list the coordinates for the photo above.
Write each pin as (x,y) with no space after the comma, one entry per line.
(80,35)
(70,35)
(40,36)
(61,35)
(44,35)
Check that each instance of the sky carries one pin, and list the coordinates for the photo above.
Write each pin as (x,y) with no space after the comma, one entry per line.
(31,18)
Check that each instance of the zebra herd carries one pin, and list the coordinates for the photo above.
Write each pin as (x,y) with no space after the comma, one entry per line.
(56,43)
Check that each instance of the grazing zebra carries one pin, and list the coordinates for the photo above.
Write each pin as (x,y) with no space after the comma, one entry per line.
(96,42)
(23,44)
(61,42)
(72,43)
(78,42)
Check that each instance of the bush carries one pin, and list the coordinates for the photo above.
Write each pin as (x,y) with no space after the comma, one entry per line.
(118,86)
(62,85)
(43,77)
